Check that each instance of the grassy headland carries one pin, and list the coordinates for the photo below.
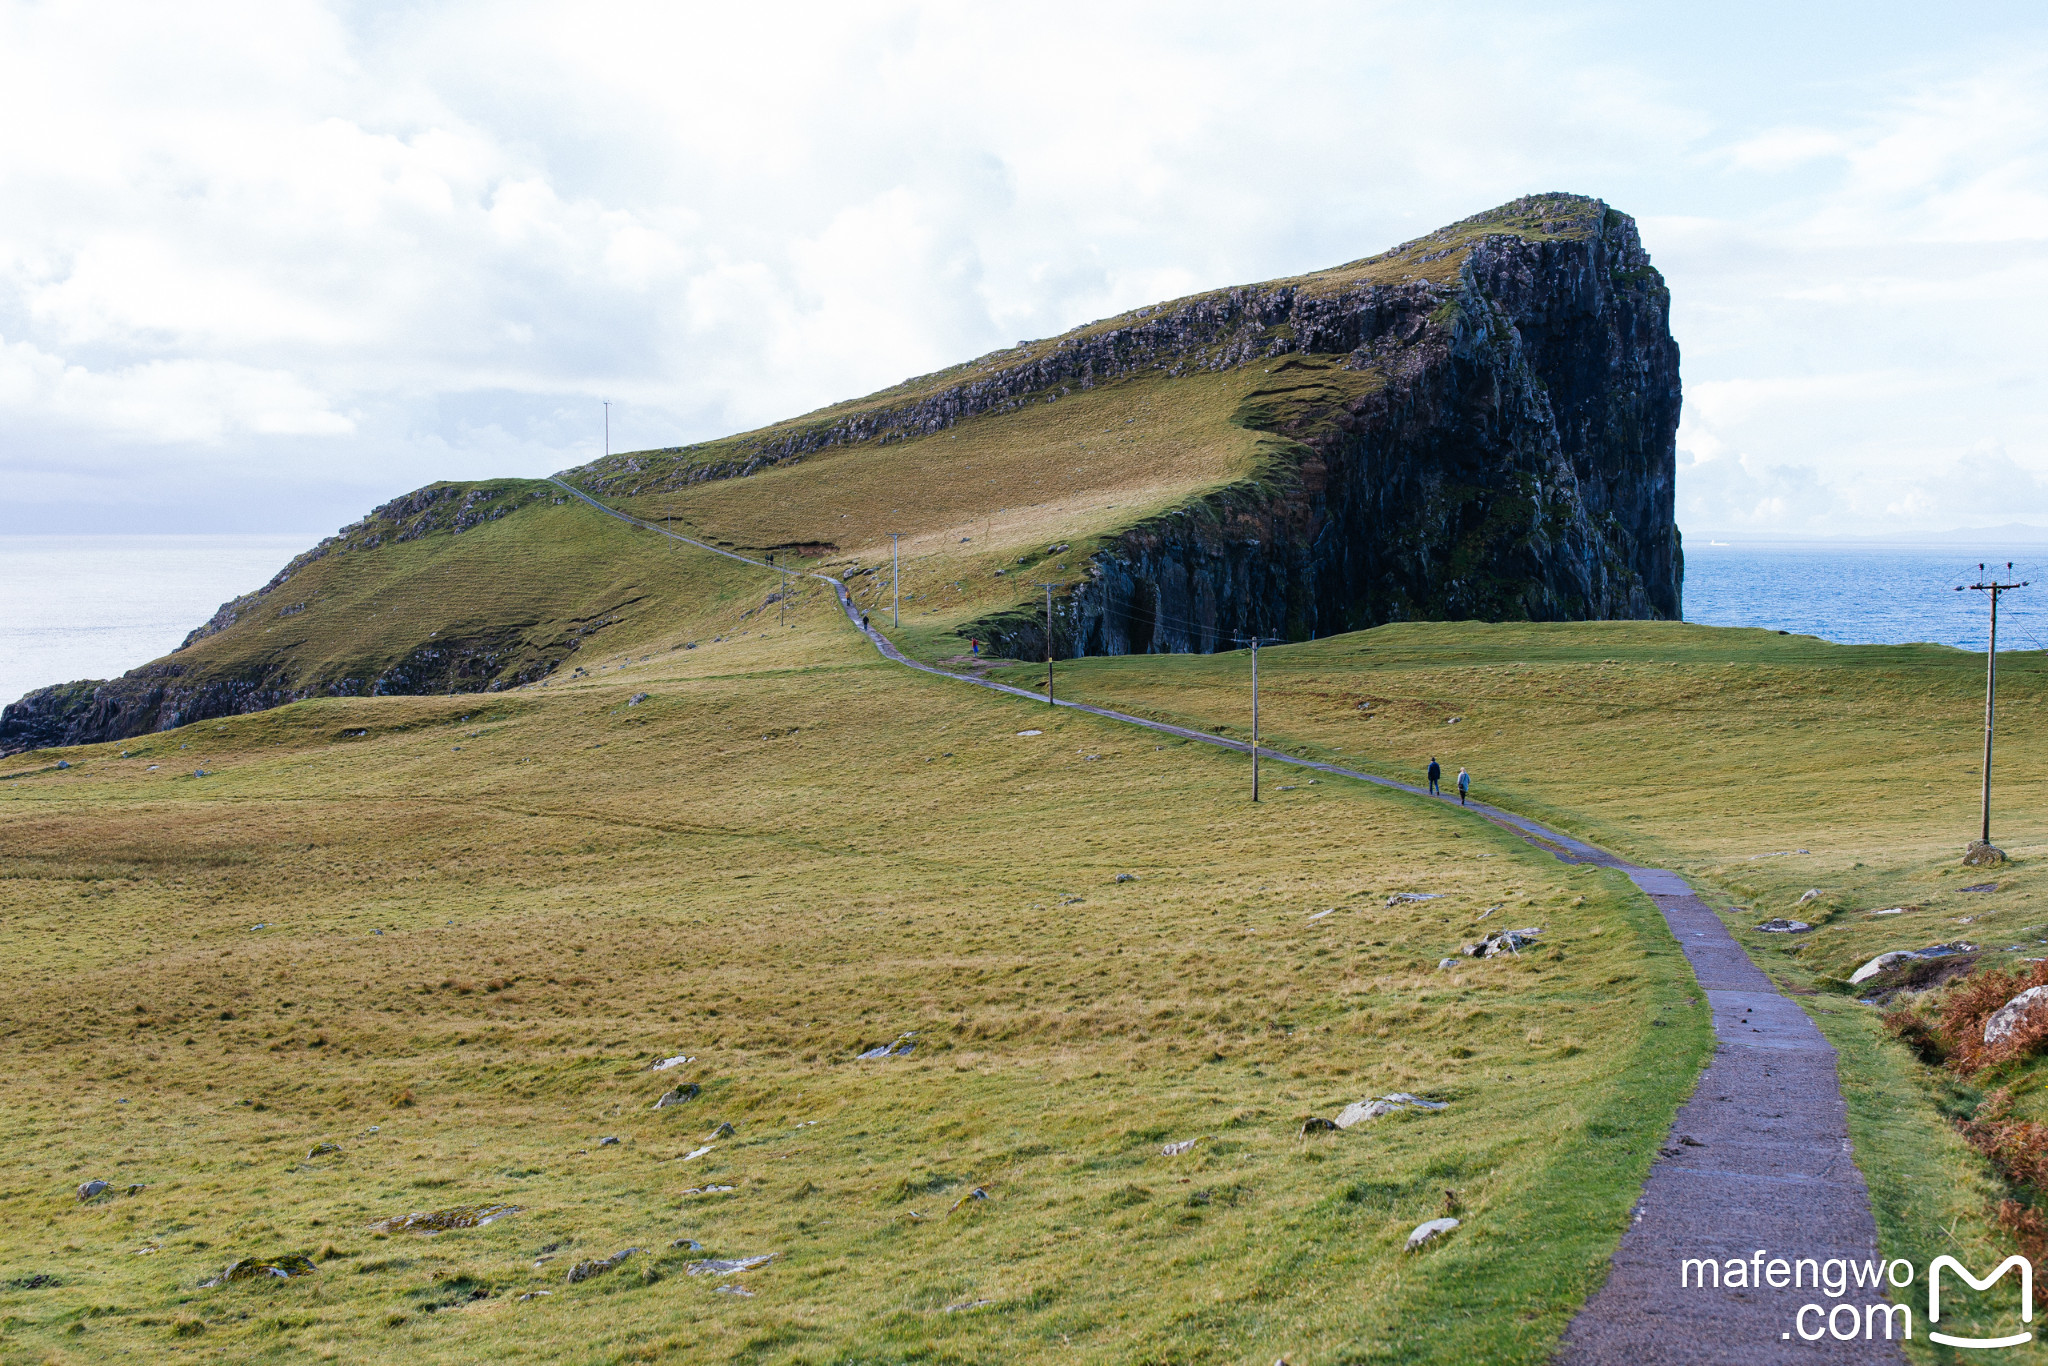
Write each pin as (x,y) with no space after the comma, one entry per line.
(451,935)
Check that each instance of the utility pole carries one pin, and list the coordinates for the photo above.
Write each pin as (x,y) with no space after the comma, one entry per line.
(1988,583)
(607,428)
(781,593)
(896,577)
(1048,587)
(1254,642)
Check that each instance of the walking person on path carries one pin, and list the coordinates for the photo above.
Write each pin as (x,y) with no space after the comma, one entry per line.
(1436,773)
(1464,784)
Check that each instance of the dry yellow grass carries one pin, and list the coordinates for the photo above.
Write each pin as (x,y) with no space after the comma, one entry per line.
(787,853)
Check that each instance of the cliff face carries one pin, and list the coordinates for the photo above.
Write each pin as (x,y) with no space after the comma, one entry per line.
(1498,446)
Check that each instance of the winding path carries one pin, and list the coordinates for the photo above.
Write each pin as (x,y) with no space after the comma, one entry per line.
(1758,1160)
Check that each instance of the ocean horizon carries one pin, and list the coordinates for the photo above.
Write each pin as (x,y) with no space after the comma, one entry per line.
(95,606)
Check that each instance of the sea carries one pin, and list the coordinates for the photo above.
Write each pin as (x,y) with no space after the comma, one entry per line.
(76,607)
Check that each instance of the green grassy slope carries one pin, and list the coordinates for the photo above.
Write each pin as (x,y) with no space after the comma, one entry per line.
(1764,766)
(787,852)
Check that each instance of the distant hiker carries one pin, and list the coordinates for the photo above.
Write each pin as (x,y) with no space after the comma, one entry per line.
(863,621)
(975,643)
(1464,785)
(1436,773)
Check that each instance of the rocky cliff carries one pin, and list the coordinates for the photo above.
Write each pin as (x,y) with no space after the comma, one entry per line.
(1498,444)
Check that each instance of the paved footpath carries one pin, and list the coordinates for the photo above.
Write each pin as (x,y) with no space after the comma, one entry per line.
(1758,1160)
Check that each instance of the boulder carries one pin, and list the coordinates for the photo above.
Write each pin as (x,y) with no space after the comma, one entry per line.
(2007,1017)
(92,1188)
(677,1096)
(1361,1110)
(1812,894)
(583,1271)
(263,1268)
(1176,1149)
(1503,941)
(1316,1124)
(1983,855)
(322,1149)
(1780,925)
(1885,962)
(1425,1234)
(720,1266)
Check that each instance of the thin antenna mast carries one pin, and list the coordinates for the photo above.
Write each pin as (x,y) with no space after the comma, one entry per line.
(1988,583)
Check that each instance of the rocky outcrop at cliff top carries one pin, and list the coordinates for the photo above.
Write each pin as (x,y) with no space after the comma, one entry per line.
(1480,424)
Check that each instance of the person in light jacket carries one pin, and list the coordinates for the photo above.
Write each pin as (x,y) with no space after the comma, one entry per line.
(1464,785)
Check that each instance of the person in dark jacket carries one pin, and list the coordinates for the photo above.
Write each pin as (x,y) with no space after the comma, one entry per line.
(1436,773)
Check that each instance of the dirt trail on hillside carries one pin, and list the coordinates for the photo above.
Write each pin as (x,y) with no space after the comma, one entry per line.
(1758,1160)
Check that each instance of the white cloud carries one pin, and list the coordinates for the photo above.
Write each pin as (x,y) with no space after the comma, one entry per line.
(287,238)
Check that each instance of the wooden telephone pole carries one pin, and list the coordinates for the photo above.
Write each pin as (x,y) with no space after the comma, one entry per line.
(1048,587)
(1988,583)
(1255,642)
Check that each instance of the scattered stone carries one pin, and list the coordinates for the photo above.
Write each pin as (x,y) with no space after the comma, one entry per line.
(1176,1149)
(693,1156)
(1126,877)
(535,1294)
(1425,1234)
(688,1244)
(1895,910)
(583,1271)
(1884,962)
(708,1190)
(1443,963)
(1399,897)
(137,1189)
(715,1266)
(1980,887)
(93,1188)
(1316,1124)
(724,1130)
(1503,941)
(42,1280)
(1361,1110)
(636,699)
(1024,733)
(322,1149)
(1811,894)
(677,1061)
(888,1050)
(1780,925)
(608,1141)
(978,1193)
(678,1095)
(440,1220)
(1320,914)
(965,1305)
(740,1289)
(66,763)
(255,1268)
(1983,855)
(199,773)
(2007,1017)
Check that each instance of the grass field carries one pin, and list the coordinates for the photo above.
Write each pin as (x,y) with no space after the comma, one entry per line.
(451,934)
(1763,766)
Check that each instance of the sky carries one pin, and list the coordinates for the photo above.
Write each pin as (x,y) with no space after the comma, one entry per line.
(264,266)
